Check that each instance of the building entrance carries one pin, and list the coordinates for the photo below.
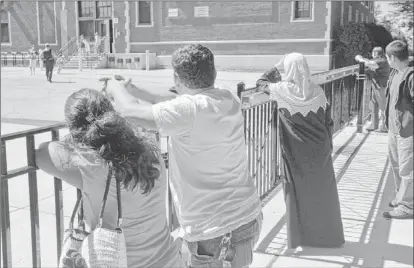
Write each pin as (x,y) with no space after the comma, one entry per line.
(95,17)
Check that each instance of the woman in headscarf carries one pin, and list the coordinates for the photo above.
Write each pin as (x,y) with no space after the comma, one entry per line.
(311,194)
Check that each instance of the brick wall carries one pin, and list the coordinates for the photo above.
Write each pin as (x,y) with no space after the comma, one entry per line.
(240,49)
(265,20)
(24,25)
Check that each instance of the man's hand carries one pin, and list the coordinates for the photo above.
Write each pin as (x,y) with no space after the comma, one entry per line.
(117,83)
(359,58)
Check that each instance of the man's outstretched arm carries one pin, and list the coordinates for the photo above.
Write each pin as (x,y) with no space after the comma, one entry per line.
(369,63)
(148,96)
(127,105)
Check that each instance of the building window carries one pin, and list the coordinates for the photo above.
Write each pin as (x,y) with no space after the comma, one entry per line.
(303,10)
(143,12)
(342,12)
(349,13)
(356,15)
(103,9)
(85,9)
(5,28)
(362,17)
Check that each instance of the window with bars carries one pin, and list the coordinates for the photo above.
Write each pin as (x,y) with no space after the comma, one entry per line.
(302,10)
(85,9)
(103,9)
(144,13)
(5,27)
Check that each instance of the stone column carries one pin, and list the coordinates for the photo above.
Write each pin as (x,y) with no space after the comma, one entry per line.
(64,27)
(127,27)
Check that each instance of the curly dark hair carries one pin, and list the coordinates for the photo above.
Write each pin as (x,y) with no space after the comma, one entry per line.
(194,65)
(93,123)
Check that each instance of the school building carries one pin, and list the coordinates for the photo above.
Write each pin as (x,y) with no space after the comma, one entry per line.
(244,33)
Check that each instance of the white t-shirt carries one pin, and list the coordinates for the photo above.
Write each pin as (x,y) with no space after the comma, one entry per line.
(209,178)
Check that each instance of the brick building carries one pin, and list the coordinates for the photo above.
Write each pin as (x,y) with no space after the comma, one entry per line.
(239,33)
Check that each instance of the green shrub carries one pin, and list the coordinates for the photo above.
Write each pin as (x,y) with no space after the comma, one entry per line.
(354,39)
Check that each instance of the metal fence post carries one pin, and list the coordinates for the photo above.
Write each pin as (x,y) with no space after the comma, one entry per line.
(360,94)
(147,60)
(5,212)
(79,54)
(240,88)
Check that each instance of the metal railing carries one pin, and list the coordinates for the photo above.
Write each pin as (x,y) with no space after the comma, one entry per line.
(15,59)
(263,150)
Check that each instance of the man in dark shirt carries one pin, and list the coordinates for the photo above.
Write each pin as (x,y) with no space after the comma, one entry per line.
(378,71)
(48,61)
(399,119)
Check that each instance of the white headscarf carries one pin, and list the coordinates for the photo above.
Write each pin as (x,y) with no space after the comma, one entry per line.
(296,92)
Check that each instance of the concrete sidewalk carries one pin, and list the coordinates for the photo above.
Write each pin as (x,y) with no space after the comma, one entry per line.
(32,100)
(365,188)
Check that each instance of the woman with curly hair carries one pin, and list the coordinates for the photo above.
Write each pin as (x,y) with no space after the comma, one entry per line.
(100,137)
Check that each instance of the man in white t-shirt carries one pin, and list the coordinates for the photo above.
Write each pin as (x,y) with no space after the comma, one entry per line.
(216,201)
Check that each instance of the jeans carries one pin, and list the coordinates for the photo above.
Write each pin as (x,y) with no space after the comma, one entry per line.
(204,254)
(400,153)
(49,71)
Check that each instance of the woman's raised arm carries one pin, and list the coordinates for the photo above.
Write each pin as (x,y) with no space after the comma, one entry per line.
(271,76)
(56,159)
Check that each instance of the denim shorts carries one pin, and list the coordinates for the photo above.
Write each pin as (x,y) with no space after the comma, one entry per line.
(203,254)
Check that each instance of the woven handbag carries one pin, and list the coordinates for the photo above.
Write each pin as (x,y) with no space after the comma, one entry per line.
(73,238)
(106,247)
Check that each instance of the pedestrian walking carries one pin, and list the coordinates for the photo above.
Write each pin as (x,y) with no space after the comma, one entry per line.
(306,127)
(33,56)
(59,62)
(399,120)
(48,61)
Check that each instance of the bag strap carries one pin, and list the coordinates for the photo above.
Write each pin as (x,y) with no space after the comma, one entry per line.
(105,197)
(76,209)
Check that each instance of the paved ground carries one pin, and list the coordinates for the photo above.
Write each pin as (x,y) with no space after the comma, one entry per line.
(365,185)
(365,188)
(33,101)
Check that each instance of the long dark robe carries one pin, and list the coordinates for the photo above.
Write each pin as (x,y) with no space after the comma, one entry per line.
(311,195)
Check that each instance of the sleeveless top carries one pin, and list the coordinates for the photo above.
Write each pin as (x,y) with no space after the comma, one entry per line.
(148,239)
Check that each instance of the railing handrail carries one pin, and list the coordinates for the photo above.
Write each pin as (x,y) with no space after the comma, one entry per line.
(34,131)
(66,46)
(318,78)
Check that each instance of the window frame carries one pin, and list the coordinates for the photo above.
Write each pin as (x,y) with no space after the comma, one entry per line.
(137,23)
(107,7)
(350,13)
(293,12)
(9,28)
(356,15)
(38,25)
(79,8)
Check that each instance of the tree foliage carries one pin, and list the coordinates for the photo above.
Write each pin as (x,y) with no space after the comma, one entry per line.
(358,39)
(400,21)
(404,14)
